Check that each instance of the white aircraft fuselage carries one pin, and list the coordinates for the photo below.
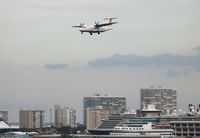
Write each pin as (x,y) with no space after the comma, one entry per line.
(93,29)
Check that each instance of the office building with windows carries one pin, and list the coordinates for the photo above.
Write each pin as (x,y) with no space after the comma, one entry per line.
(104,102)
(163,99)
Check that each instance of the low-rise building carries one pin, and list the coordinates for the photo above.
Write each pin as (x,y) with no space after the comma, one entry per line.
(186,128)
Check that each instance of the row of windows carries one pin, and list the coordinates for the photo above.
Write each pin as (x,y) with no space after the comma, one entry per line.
(190,134)
(185,125)
(129,128)
(186,130)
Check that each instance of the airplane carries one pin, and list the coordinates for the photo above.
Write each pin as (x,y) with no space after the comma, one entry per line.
(97,27)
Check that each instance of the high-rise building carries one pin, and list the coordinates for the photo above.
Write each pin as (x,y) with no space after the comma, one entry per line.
(163,99)
(96,116)
(57,115)
(31,118)
(105,102)
(64,116)
(4,116)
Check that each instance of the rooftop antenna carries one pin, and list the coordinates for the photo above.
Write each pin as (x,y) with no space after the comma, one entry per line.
(50,117)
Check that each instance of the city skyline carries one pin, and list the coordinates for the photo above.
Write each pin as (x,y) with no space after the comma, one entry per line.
(49,115)
(44,61)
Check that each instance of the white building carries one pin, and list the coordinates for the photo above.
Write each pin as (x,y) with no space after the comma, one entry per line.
(65,116)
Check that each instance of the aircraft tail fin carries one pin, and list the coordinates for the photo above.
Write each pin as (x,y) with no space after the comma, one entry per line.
(110,19)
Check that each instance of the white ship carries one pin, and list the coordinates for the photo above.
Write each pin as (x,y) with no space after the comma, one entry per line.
(6,128)
(141,129)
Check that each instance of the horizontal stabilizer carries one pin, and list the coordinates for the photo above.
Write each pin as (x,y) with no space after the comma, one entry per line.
(110,19)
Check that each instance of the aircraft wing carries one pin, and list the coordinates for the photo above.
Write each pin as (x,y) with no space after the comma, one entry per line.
(106,24)
(110,22)
(79,26)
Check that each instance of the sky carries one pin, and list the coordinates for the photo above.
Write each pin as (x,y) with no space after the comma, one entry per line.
(44,61)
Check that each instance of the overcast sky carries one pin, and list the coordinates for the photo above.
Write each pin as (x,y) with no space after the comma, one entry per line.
(44,61)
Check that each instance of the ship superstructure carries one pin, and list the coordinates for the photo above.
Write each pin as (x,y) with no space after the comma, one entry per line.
(6,128)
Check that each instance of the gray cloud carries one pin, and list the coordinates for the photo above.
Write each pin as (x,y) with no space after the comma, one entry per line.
(196,49)
(56,66)
(177,72)
(179,65)
(192,61)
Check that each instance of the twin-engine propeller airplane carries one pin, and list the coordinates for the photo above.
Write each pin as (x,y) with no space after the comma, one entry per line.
(97,27)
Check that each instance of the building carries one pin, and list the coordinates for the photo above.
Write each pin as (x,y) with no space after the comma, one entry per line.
(4,116)
(31,118)
(96,116)
(163,99)
(186,128)
(188,125)
(64,116)
(57,115)
(105,102)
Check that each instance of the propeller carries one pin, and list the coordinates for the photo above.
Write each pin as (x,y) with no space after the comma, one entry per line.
(97,24)
(81,24)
